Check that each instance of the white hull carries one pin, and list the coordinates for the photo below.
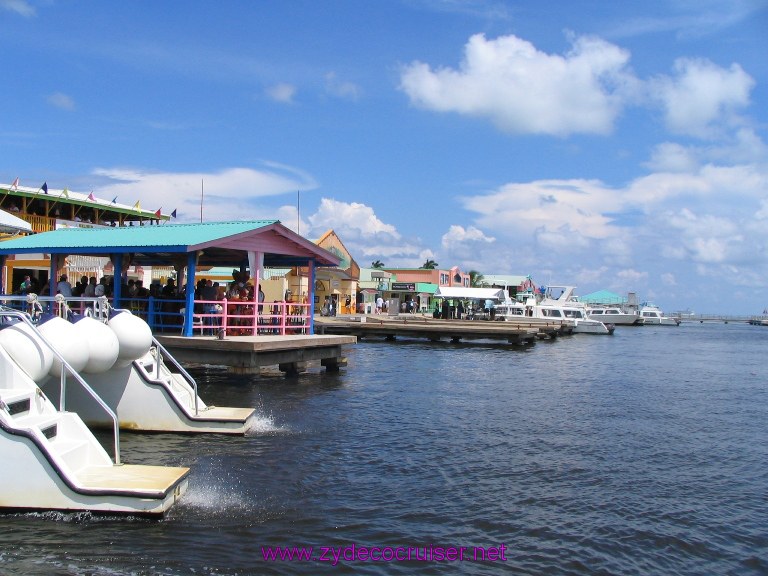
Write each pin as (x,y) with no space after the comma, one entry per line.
(140,386)
(662,321)
(615,317)
(145,400)
(653,316)
(591,327)
(34,482)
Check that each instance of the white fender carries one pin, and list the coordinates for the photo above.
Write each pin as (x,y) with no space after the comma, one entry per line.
(27,349)
(102,343)
(133,335)
(64,337)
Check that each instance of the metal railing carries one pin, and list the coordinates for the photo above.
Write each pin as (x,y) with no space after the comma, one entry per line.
(161,354)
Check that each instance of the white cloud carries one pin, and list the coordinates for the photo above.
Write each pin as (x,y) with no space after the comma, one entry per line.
(572,209)
(351,219)
(340,88)
(21,7)
(695,215)
(365,235)
(524,90)
(282,92)
(673,157)
(466,247)
(668,279)
(224,193)
(701,97)
(61,101)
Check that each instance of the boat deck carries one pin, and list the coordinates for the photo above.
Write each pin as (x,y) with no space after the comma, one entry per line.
(140,478)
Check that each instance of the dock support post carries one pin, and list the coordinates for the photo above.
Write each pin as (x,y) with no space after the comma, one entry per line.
(292,368)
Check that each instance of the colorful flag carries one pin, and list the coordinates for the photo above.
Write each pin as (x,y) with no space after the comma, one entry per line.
(44,187)
(173,214)
(91,197)
(137,206)
(15,185)
(64,193)
(157,213)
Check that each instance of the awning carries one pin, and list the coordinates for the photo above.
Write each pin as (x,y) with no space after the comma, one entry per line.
(470,293)
(10,224)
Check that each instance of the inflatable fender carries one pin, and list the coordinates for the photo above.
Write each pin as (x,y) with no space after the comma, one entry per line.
(102,344)
(133,335)
(23,344)
(64,338)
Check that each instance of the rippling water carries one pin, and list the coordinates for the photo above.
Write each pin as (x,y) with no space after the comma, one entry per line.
(641,453)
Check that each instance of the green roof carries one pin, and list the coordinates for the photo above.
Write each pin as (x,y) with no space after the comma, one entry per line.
(602,297)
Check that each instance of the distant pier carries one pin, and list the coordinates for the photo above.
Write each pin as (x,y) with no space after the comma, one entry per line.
(721,318)
(525,331)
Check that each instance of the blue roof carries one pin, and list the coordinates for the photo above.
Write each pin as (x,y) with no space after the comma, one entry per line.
(602,297)
(218,243)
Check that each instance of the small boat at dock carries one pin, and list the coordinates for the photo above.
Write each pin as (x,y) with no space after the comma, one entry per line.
(615,315)
(653,316)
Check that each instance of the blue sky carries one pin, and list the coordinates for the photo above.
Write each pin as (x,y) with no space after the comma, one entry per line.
(607,145)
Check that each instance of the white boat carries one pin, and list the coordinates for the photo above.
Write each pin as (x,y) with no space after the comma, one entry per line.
(52,461)
(615,315)
(509,310)
(582,324)
(559,303)
(135,376)
(652,315)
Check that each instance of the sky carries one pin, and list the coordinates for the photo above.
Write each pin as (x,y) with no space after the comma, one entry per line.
(599,144)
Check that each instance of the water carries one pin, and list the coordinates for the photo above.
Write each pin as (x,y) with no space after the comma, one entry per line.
(641,453)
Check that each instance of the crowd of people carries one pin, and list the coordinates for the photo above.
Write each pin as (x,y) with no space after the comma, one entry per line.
(239,296)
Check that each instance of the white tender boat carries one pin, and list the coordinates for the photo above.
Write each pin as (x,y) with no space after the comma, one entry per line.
(559,303)
(509,310)
(615,315)
(652,315)
(135,376)
(52,461)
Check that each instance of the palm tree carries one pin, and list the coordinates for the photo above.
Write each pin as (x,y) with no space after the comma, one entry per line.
(377,264)
(476,280)
(429,264)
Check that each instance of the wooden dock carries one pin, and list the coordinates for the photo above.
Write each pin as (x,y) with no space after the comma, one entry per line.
(248,354)
(525,331)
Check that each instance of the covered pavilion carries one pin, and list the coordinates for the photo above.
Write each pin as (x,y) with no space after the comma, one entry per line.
(243,244)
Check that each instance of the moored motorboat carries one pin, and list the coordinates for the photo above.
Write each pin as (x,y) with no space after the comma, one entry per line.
(566,308)
(653,316)
(615,315)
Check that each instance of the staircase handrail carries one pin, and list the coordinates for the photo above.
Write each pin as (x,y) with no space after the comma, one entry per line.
(162,355)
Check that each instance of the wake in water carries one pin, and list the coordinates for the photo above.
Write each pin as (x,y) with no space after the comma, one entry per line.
(263,424)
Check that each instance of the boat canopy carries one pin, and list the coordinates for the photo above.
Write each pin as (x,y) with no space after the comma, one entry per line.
(470,293)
